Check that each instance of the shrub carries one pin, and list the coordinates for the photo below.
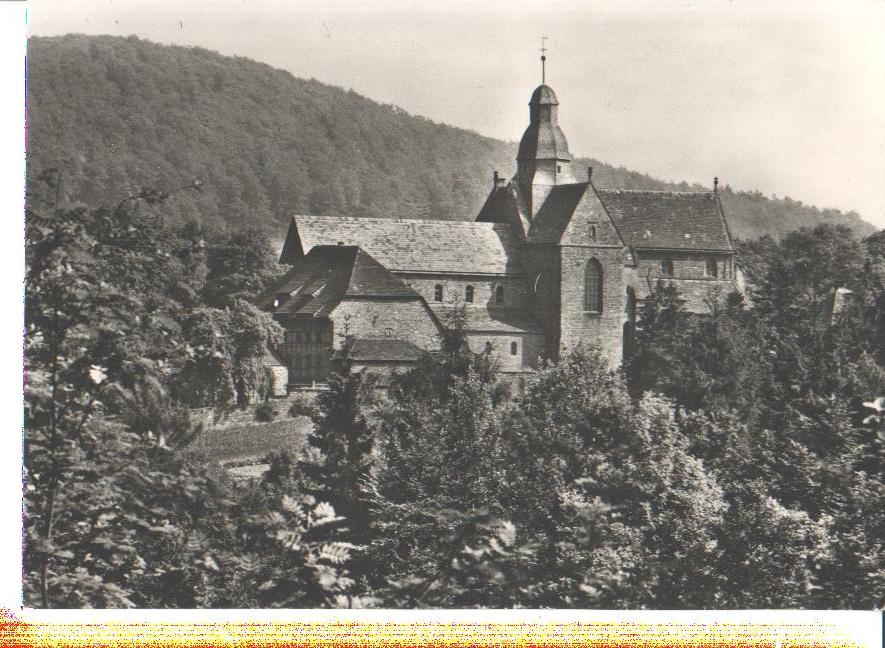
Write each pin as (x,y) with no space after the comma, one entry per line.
(266,412)
(302,406)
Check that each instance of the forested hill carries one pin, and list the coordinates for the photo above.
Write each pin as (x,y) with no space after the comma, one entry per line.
(117,114)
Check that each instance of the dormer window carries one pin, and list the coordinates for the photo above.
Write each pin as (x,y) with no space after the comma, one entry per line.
(499,295)
(592,232)
(468,294)
(712,268)
(438,293)
(667,268)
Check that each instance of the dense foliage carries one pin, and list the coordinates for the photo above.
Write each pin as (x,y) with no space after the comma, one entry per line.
(736,461)
(116,113)
(129,321)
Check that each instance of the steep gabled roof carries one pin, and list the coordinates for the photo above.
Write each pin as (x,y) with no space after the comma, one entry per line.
(502,206)
(410,245)
(555,214)
(327,275)
(668,220)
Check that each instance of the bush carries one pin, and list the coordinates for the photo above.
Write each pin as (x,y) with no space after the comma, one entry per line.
(303,406)
(266,412)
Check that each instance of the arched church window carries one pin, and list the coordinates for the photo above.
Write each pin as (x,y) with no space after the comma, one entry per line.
(468,294)
(593,287)
(667,268)
(438,292)
(513,348)
(712,268)
(592,232)
(499,295)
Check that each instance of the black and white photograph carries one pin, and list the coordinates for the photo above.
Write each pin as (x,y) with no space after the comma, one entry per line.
(464,305)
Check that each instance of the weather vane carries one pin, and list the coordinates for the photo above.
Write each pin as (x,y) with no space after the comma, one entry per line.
(543,58)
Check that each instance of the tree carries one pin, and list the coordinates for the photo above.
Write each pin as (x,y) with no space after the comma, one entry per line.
(344,439)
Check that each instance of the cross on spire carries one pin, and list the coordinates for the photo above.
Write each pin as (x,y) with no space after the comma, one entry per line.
(543,59)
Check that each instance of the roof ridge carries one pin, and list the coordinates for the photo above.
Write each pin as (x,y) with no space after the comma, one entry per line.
(358,219)
(657,191)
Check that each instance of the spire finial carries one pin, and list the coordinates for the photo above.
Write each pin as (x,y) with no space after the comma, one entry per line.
(543,59)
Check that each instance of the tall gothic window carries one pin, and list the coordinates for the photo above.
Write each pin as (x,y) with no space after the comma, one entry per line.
(593,287)
(514,348)
(667,268)
(468,294)
(499,295)
(437,292)
(593,232)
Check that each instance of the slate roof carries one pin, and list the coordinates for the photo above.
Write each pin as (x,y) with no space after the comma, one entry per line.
(325,276)
(411,245)
(543,139)
(555,214)
(544,94)
(384,350)
(502,206)
(668,220)
(494,320)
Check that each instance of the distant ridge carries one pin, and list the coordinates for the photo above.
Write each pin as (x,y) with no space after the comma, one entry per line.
(117,113)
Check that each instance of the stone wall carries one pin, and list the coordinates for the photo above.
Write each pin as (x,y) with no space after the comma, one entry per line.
(605,329)
(528,348)
(697,292)
(484,287)
(542,267)
(686,265)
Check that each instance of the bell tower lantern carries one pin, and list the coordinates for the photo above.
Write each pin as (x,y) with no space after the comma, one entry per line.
(543,160)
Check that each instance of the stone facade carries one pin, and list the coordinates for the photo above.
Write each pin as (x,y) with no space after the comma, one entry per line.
(550,263)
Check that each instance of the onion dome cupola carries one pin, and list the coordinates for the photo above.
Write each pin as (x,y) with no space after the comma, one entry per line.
(543,160)
(543,139)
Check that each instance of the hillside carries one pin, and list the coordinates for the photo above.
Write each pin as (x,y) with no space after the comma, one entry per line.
(116,114)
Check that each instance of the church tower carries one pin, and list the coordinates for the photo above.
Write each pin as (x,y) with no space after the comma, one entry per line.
(543,160)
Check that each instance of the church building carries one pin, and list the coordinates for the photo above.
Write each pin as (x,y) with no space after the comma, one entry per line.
(549,262)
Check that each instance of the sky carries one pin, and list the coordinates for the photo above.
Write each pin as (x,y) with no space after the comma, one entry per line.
(783,97)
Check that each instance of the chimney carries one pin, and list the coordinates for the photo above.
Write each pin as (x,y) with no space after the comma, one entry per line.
(589,173)
(715,184)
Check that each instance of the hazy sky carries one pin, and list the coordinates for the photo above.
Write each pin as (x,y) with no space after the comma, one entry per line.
(787,98)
